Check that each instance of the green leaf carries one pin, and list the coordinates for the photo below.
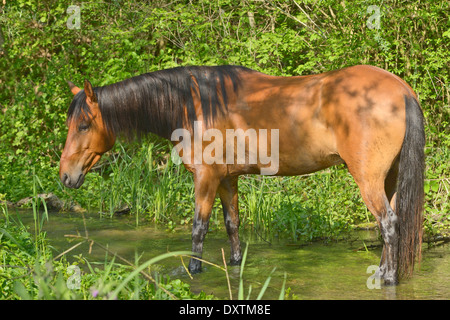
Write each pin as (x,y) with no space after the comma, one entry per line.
(434,185)
(446,33)
(426,186)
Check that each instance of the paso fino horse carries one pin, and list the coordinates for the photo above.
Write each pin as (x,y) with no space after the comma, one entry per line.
(362,116)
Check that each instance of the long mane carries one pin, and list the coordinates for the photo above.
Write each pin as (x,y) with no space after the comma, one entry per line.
(161,101)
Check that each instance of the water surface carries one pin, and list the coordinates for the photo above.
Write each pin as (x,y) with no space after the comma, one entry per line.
(336,270)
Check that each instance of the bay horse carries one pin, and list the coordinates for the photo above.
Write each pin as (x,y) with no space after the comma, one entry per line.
(362,116)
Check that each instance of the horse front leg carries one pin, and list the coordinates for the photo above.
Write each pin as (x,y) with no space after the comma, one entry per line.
(205,191)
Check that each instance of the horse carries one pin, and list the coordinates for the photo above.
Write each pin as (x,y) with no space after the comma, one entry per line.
(362,116)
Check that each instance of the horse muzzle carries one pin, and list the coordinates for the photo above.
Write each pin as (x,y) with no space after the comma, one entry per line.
(72,181)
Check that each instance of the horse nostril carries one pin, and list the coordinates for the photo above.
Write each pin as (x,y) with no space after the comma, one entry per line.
(65,179)
(79,181)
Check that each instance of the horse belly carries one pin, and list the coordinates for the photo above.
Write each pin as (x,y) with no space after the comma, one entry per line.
(308,151)
(299,149)
(304,165)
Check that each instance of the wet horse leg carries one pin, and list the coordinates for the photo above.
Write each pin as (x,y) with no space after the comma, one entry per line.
(228,192)
(390,186)
(389,260)
(205,184)
(372,187)
(376,200)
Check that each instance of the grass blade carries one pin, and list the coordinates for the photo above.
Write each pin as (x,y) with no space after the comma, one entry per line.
(282,292)
(266,284)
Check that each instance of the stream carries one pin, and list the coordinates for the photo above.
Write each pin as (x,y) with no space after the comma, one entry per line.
(333,270)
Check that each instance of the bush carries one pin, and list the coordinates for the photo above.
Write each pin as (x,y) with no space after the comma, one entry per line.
(120,39)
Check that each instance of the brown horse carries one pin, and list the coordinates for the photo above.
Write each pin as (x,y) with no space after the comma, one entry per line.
(362,116)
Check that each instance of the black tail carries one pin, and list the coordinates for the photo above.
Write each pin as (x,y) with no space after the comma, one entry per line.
(410,192)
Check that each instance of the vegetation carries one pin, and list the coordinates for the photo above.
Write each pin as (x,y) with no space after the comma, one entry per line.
(29,271)
(41,47)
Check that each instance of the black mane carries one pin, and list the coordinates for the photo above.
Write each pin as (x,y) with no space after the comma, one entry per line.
(161,101)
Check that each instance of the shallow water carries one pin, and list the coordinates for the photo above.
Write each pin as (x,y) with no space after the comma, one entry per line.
(313,271)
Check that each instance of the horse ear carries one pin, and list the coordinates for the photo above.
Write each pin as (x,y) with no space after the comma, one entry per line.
(73,87)
(89,91)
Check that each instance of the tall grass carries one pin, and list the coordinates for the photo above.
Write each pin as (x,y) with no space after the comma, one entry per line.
(263,289)
(36,203)
(146,180)
(4,207)
(322,205)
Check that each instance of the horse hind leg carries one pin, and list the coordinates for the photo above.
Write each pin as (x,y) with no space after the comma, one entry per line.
(378,204)
(372,160)
(377,181)
(390,183)
(228,192)
(388,224)
(390,186)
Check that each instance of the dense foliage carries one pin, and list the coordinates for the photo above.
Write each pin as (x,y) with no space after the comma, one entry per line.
(41,47)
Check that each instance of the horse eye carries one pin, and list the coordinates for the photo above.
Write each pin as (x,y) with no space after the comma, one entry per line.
(83,127)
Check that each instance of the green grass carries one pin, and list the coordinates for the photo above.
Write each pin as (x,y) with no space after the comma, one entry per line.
(28,269)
